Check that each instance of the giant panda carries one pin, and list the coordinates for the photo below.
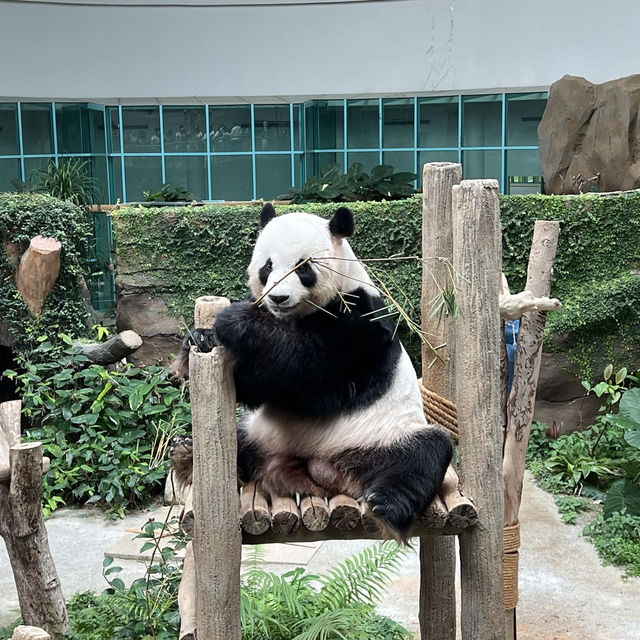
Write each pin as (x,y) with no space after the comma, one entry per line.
(333,403)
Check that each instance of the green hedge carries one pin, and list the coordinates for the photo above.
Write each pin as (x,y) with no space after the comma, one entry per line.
(191,251)
(23,216)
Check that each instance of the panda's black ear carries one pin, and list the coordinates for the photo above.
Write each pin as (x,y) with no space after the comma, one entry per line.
(267,214)
(342,225)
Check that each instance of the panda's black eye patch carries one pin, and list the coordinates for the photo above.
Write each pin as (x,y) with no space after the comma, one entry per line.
(306,273)
(264,272)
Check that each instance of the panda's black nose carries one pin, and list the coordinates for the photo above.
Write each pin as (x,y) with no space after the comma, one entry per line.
(278,299)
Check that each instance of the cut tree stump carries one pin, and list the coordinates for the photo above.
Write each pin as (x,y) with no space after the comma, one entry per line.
(38,271)
(113,350)
(23,530)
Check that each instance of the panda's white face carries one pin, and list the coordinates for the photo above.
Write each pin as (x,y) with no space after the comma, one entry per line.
(284,243)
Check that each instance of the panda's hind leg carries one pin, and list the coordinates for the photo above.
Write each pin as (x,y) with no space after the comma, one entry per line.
(401,481)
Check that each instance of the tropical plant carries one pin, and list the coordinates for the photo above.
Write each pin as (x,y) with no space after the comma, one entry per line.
(68,179)
(334,186)
(106,432)
(168,193)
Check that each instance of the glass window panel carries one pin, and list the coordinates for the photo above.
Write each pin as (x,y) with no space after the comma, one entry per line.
(524,171)
(273,129)
(363,124)
(273,176)
(230,128)
(32,168)
(397,123)
(141,129)
(9,129)
(438,126)
(116,177)
(142,174)
(184,129)
(434,156)
(298,165)
(37,132)
(399,160)
(325,125)
(96,130)
(189,172)
(231,178)
(369,159)
(72,124)
(524,112)
(482,121)
(98,167)
(316,161)
(297,127)
(482,164)
(9,170)
(113,118)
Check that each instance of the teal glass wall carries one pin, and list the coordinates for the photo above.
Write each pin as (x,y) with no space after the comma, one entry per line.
(243,152)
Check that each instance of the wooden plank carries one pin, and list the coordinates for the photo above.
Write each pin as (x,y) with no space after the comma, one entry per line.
(461,511)
(285,516)
(254,510)
(477,257)
(344,512)
(217,537)
(437,554)
(315,513)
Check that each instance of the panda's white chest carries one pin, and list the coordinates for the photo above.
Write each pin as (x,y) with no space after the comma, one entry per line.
(393,417)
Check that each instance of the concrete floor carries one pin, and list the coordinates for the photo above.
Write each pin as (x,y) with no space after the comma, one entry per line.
(565,593)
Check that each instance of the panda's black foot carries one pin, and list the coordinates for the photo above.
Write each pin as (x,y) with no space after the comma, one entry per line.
(393,505)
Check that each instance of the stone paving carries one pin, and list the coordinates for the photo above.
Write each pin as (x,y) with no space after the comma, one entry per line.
(565,593)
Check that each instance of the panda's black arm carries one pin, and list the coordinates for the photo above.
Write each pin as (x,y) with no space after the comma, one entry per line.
(323,363)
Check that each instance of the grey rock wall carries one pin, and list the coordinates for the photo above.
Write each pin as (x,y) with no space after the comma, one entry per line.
(590,136)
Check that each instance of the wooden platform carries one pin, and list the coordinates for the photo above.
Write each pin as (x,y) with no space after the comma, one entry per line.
(265,518)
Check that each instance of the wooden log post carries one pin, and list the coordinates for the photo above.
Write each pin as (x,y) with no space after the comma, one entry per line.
(23,530)
(217,538)
(521,401)
(38,271)
(437,553)
(113,350)
(477,252)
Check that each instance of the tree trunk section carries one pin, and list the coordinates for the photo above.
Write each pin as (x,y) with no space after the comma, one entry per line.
(527,365)
(38,271)
(477,257)
(437,613)
(23,529)
(113,350)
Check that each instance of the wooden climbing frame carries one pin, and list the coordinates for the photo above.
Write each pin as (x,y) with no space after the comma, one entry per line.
(464,390)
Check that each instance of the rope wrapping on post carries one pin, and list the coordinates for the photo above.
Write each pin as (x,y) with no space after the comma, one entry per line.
(511,559)
(440,411)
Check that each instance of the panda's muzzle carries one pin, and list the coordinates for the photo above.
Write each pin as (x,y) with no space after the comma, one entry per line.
(278,299)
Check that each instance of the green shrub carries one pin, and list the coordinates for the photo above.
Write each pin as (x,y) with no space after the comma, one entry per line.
(334,186)
(617,539)
(23,216)
(106,432)
(196,250)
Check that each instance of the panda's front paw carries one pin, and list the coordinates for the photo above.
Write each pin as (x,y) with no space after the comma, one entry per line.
(204,339)
(392,505)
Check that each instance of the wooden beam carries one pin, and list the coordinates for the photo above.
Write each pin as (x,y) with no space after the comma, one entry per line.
(217,540)
(437,613)
(477,252)
(526,368)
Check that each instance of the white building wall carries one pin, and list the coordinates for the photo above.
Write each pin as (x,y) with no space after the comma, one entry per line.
(119,49)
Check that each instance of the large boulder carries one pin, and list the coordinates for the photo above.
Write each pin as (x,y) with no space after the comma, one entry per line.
(560,397)
(590,135)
